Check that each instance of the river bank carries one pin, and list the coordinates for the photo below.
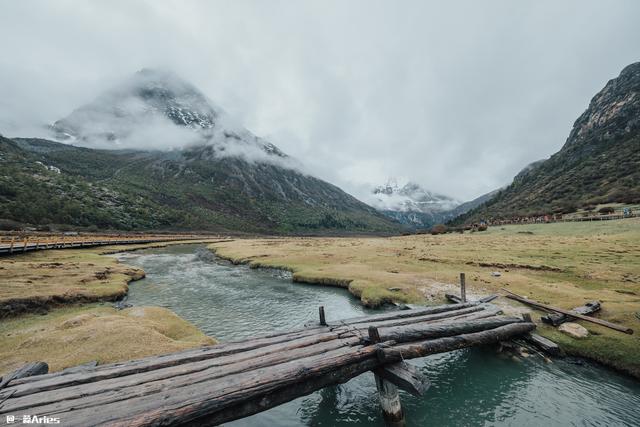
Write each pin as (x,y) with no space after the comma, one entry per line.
(58,303)
(560,264)
(468,387)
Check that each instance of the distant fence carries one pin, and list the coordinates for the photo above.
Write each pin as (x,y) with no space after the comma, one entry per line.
(24,243)
(549,219)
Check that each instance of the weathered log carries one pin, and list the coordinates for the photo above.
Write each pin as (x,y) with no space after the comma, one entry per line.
(118,389)
(389,402)
(543,344)
(569,313)
(453,298)
(196,400)
(488,298)
(425,318)
(266,401)
(440,345)
(420,332)
(457,300)
(221,383)
(557,319)
(28,370)
(83,383)
(81,368)
(405,376)
(403,314)
(159,364)
(193,355)
(482,314)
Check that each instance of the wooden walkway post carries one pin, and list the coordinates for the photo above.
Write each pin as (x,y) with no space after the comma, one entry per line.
(323,321)
(387,392)
(463,288)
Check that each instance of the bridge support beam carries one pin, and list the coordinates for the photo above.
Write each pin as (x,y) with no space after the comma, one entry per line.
(387,391)
(390,402)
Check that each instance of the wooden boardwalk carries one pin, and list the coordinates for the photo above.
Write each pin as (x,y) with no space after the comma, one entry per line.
(217,384)
(18,246)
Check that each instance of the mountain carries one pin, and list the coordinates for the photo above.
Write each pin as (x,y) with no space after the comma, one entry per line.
(411,204)
(599,162)
(472,204)
(211,175)
(155,109)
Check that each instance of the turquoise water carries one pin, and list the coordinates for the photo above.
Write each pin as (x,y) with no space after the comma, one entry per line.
(475,387)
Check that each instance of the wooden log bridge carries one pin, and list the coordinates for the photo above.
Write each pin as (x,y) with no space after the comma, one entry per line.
(216,384)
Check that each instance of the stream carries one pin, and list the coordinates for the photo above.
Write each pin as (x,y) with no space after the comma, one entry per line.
(471,387)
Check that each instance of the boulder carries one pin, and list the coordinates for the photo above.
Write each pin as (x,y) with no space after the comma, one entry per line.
(574,330)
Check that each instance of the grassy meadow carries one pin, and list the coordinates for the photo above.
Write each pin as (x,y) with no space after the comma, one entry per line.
(51,311)
(562,264)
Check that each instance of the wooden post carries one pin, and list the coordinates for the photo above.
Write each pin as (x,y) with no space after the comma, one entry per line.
(13,239)
(387,392)
(24,245)
(323,322)
(463,288)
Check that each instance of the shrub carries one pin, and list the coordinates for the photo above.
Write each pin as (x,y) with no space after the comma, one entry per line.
(439,229)
(10,225)
(606,210)
(482,227)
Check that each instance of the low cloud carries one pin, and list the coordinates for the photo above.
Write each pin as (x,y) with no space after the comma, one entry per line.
(457,96)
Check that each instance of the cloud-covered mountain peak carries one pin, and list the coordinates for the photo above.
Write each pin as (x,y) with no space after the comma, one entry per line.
(410,197)
(157,109)
(149,98)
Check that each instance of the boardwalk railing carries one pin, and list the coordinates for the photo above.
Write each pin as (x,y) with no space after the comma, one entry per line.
(17,244)
(217,384)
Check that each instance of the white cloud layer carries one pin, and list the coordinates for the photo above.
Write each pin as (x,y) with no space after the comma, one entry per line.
(458,97)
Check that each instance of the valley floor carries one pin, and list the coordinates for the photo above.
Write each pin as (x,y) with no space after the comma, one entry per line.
(562,264)
(57,302)
(56,306)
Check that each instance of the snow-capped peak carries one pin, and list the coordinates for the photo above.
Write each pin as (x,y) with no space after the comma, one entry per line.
(156,109)
(409,197)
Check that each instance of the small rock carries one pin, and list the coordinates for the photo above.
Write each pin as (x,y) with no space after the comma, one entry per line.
(496,274)
(121,305)
(394,289)
(574,330)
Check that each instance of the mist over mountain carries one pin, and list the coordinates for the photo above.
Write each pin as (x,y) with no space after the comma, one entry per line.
(158,110)
(155,153)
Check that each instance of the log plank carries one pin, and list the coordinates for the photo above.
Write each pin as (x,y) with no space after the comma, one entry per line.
(193,401)
(117,389)
(543,344)
(406,377)
(121,377)
(399,314)
(440,345)
(601,322)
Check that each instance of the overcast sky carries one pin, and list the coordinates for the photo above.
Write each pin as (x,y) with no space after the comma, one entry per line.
(457,97)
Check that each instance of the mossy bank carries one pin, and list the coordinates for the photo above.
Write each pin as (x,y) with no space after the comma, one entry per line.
(563,264)
(55,308)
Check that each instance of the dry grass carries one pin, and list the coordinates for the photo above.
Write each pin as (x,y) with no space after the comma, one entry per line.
(564,264)
(40,280)
(74,335)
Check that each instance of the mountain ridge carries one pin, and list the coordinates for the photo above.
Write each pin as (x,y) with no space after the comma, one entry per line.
(208,173)
(598,163)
